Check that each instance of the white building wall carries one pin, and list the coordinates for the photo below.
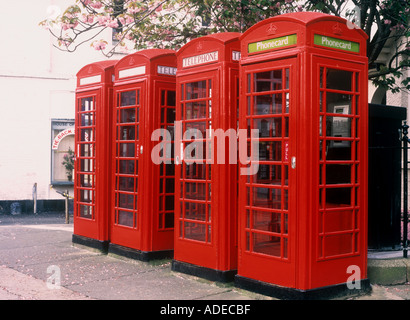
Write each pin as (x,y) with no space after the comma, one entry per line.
(37,84)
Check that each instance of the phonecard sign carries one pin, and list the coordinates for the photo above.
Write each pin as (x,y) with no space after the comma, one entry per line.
(272,43)
(334,43)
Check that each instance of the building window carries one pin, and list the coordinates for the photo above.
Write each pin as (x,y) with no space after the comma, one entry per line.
(62,151)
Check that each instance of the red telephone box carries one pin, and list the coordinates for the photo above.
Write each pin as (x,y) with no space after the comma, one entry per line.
(303,215)
(92,144)
(206,182)
(142,209)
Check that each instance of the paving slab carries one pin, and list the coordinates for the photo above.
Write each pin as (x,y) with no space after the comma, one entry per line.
(36,251)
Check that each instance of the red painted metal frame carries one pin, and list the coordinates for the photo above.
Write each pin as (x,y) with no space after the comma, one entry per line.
(92,148)
(323,239)
(148,228)
(206,194)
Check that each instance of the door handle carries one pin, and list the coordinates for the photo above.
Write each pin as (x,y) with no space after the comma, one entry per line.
(293,162)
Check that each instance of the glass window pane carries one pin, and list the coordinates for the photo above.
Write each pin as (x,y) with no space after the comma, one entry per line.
(86,196)
(270,150)
(195,110)
(339,79)
(195,171)
(171,98)
(195,211)
(268,127)
(268,80)
(86,180)
(268,104)
(335,221)
(321,77)
(128,98)
(163,98)
(169,220)
(87,134)
(169,203)
(170,115)
(285,199)
(195,191)
(267,198)
(338,173)
(338,127)
(267,244)
(269,174)
(85,211)
(338,197)
(125,218)
(195,231)
(87,104)
(169,169)
(196,90)
(126,200)
(126,184)
(338,150)
(127,115)
(338,244)
(169,186)
(127,150)
(86,150)
(87,119)
(126,166)
(338,103)
(127,133)
(86,165)
(266,221)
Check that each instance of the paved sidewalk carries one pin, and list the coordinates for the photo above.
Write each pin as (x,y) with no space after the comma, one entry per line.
(36,250)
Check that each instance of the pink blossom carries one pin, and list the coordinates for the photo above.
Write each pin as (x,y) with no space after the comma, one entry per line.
(99,44)
(133,9)
(112,23)
(66,26)
(121,20)
(96,5)
(102,20)
(129,20)
(159,8)
(87,18)
(123,49)
(387,21)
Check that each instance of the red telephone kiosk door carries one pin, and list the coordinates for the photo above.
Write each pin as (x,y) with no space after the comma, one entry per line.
(267,193)
(205,205)
(92,120)
(303,215)
(142,210)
